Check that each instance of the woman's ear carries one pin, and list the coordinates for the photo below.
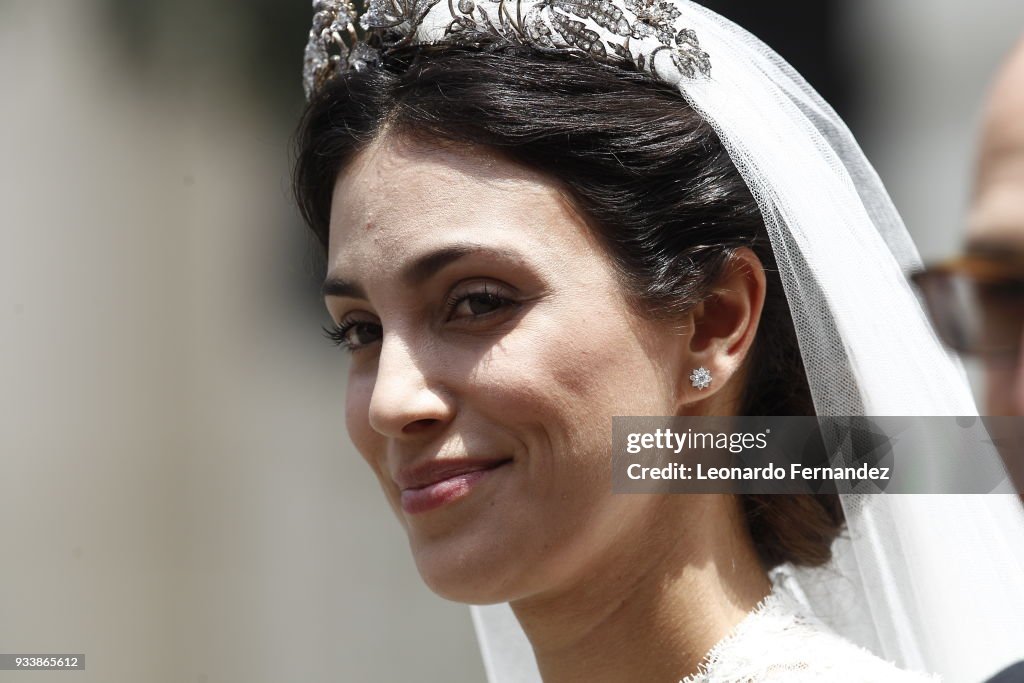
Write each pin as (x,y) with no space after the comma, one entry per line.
(724,327)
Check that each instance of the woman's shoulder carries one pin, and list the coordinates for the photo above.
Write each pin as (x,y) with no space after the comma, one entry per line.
(780,641)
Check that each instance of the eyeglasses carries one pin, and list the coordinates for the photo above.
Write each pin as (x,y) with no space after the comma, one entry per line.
(976,303)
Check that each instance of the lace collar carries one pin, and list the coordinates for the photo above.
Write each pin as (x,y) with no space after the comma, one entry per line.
(781,640)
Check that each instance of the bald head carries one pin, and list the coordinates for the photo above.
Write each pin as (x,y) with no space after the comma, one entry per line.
(996,226)
(997,212)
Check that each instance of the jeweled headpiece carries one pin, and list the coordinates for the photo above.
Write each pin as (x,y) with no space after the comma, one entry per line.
(635,32)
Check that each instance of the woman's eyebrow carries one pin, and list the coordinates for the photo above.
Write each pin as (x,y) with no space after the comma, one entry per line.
(421,268)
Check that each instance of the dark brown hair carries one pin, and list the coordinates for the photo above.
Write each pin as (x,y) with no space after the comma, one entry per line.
(647,172)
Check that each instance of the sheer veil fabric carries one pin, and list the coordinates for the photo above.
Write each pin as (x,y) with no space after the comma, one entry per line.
(931,582)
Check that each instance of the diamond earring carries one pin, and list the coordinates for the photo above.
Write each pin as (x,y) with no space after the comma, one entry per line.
(701,378)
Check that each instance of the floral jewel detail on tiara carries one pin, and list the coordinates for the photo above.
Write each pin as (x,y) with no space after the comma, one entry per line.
(632,32)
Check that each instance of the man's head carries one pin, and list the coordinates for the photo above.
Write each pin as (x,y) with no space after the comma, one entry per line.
(996,224)
(977,298)
(997,212)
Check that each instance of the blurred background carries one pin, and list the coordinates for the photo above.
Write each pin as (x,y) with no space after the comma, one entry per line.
(178,498)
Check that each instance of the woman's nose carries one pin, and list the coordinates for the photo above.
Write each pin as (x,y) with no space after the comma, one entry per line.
(406,399)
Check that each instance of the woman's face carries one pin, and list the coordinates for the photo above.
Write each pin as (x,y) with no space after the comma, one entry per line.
(490,347)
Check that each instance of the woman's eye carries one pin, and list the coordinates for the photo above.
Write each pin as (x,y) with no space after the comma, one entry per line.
(353,335)
(476,304)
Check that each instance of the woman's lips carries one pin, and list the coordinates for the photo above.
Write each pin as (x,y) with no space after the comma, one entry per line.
(448,481)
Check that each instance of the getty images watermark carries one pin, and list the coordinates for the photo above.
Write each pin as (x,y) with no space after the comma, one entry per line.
(856,454)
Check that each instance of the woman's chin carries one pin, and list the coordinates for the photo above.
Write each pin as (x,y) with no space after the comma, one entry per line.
(473,576)
(469,594)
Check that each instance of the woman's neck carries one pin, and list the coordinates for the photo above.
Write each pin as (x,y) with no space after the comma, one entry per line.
(656,606)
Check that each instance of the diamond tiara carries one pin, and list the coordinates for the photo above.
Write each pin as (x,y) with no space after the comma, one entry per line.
(631,32)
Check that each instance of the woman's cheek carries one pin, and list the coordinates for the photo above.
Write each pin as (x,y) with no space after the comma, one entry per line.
(359,391)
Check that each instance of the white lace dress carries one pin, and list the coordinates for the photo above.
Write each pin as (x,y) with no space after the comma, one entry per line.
(780,641)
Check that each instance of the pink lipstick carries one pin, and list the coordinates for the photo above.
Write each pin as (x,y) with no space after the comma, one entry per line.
(435,483)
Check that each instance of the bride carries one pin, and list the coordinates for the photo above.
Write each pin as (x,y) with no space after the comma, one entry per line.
(541,215)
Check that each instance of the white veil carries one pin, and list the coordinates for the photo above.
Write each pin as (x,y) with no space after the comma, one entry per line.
(932,582)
